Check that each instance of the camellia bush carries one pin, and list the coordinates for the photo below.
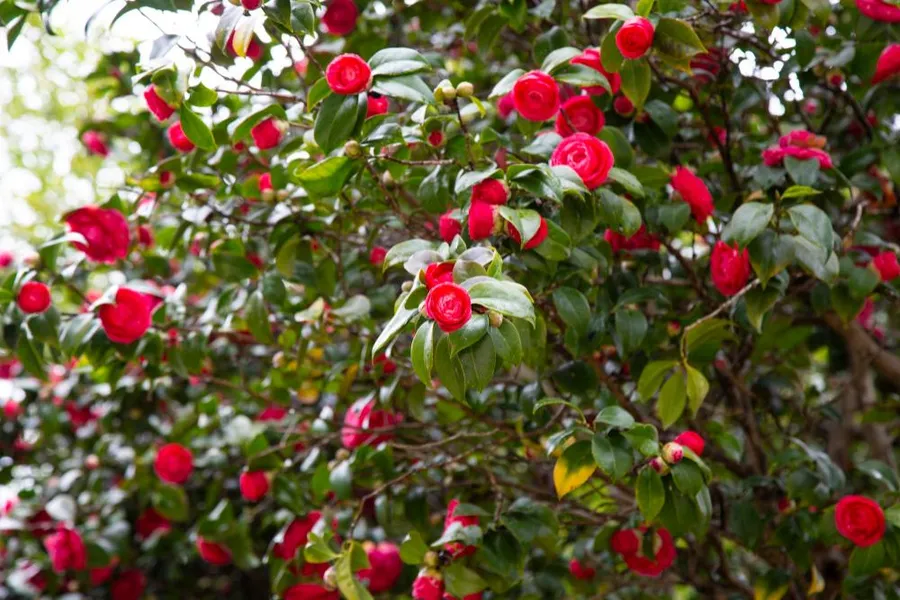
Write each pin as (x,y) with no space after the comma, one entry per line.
(445,299)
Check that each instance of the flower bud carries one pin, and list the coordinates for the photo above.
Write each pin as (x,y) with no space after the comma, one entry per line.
(388,180)
(407,285)
(268,195)
(672,453)
(342,454)
(91,462)
(658,464)
(282,195)
(352,149)
(449,93)
(279,360)
(438,94)
(495,318)
(431,559)
(465,90)
(330,579)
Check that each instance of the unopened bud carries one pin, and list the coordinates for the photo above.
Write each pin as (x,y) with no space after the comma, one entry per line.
(268,195)
(431,559)
(449,93)
(342,454)
(659,465)
(91,462)
(282,195)
(330,579)
(352,149)
(672,453)
(465,89)
(388,180)
(438,94)
(495,318)
(407,285)
(279,360)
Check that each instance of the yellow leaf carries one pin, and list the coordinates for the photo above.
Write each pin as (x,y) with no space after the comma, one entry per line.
(574,468)
(761,592)
(816,584)
(243,34)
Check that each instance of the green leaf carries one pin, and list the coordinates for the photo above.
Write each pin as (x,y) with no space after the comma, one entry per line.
(573,468)
(644,438)
(650,493)
(338,119)
(348,584)
(652,377)
(195,129)
(763,13)
(258,318)
(770,253)
(749,220)
(422,352)
(612,455)
(507,343)
(400,67)
(393,327)
(460,581)
(202,96)
(758,302)
(813,224)
(615,416)
(631,327)
(400,253)
(413,548)
(449,369)
(573,309)
(622,12)
(799,191)
(821,262)
(627,181)
(672,399)
(688,477)
(618,213)
(505,85)
(866,561)
(327,177)
(558,58)
(469,334)
(697,388)
(636,81)
(505,297)
(170,501)
(610,57)
(676,39)
(478,364)
(803,172)
(404,87)
(664,116)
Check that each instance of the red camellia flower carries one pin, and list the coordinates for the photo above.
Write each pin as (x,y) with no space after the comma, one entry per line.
(34,297)
(95,142)
(483,220)
(251,4)
(641,240)
(860,520)
(265,182)
(66,550)
(536,96)
(449,305)
(730,268)
(384,569)
(272,413)
(693,440)
(145,236)
(267,134)
(437,273)
(506,105)
(340,17)
(706,66)
(623,106)
(6,259)
(178,139)
(213,553)
(128,318)
(458,549)
(589,157)
(161,109)
(635,37)
(376,104)
(348,74)
(580,571)
(663,557)
(888,63)
(101,575)
(310,591)
(254,48)
(801,145)
(295,536)
(693,191)
(149,522)
(376,255)
(105,231)
(579,113)
(886,265)
(477,596)
(174,463)
(387,365)
(625,542)
(363,416)
(254,485)
(448,227)
(591,58)
(428,585)
(536,240)
(129,585)
(490,191)
(878,10)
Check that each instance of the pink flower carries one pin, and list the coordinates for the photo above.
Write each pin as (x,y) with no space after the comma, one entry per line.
(641,240)
(579,113)
(295,536)
(95,142)
(589,157)
(448,227)
(730,268)
(887,266)
(580,571)
(267,134)
(878,10)
(693,190)
(66,550)
(591,58)
(428,586)
(376,255)
(384,569)
(340,17)
(161,109)
(888,62)
(458,549)
(362,417)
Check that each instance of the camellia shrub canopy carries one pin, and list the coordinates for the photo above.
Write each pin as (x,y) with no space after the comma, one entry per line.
(445,299)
